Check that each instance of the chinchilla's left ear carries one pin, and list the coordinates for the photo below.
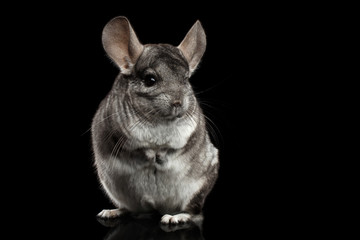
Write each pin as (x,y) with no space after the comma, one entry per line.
(193,46)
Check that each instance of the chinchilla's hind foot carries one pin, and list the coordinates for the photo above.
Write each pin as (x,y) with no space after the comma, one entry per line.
(111,217)
(171,223)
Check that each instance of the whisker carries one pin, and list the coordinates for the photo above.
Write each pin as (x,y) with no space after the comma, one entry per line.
(214,131)
(109,135)
(119,144)
(191,117)
(205,104)
(212,87)
(97,123)
(124,140)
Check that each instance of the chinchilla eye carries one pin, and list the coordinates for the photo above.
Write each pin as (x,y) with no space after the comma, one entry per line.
(149,80)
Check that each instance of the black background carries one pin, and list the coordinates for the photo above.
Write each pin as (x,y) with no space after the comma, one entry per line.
(248,83)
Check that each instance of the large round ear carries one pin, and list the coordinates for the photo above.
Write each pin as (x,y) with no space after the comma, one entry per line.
(193,46)
(121,43)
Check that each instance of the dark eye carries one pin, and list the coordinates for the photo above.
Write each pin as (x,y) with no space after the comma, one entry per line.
(149,80)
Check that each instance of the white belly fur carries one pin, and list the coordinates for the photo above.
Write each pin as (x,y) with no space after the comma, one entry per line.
(138,187)
(173,136)
(142,189)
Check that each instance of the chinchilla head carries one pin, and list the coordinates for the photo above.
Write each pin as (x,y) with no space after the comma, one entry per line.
(154,77)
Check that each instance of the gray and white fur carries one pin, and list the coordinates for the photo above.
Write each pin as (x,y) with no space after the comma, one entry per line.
(152,150)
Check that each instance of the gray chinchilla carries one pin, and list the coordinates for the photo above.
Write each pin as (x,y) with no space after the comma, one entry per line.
(152,150)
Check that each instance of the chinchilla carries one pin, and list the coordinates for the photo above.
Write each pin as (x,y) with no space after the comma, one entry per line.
(151,147)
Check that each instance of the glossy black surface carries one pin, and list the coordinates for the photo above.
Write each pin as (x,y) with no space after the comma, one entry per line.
(149,228)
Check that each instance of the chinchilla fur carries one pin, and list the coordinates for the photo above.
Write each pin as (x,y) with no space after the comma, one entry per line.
(151,146)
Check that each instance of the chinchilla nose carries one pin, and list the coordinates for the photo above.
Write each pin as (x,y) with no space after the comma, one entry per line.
(177,103)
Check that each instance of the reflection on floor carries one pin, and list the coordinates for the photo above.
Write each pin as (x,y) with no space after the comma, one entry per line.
(131,228)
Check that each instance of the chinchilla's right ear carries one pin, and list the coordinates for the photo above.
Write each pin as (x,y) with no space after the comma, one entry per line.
(121,43)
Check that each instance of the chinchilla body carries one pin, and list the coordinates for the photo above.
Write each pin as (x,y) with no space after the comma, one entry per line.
(152,150)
